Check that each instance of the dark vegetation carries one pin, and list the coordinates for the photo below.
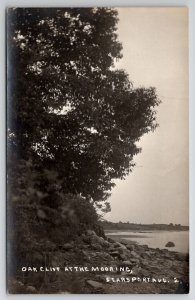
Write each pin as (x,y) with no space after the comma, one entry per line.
(133,226)
(73,121)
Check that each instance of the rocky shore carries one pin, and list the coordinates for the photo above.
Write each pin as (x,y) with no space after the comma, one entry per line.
(93,264)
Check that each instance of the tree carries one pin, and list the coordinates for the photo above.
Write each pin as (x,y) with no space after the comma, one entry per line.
(70,111)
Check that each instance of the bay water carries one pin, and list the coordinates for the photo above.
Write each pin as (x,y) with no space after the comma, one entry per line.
(155,239)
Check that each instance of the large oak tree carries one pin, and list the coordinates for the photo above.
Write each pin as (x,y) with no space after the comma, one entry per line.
(70,111)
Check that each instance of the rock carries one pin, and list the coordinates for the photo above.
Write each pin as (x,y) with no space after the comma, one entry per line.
(151,253)
(60,256)
(31,289)
(144,262)
(119,245)
(110,240)
(136,271)
(97,240)
(155,269)
(134,254)
(135,261)
(126,263)
(103,242)
(19,283)
(168,255)
(95,284)
(91,232)
(123,251)
(143,255)
(115,254)
(168,264)
(96,247)
(16,287)
(86,238)
(143,272)
(67,246)
(111,249)
(124,242)
(86,256)
(94,239)
(164,251)
(130,247)
(106,244)
(181,257)
(170,244)
(102,256)
(122,256)
(85,246)
(101,239)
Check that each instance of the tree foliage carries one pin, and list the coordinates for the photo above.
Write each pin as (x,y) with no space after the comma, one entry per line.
(74,121)
(69,109)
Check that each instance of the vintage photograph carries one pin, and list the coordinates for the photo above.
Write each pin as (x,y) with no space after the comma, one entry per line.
(97,150)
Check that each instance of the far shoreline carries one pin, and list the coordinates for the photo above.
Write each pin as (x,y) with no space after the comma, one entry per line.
(142,230)
(127,226)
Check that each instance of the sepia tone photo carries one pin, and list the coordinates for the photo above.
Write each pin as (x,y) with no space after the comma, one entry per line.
(97,150)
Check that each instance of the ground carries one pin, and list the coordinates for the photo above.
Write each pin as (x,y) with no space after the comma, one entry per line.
(97,265)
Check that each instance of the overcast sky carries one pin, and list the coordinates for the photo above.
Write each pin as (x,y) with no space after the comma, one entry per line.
(155,50)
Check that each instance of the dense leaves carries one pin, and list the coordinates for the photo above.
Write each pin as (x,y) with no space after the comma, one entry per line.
(74,121)
(69,109)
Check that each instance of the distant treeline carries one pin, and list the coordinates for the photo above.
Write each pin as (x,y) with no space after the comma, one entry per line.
(133,226)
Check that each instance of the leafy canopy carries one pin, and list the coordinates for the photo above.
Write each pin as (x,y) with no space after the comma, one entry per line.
(69,109)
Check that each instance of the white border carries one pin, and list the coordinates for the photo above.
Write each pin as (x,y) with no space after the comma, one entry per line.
(84,3)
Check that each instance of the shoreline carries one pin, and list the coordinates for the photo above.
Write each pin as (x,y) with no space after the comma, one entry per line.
(124,241)
(129,239)
(139,269)
(144,231)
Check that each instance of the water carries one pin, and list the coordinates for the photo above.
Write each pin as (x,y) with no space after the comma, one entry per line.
(156,239)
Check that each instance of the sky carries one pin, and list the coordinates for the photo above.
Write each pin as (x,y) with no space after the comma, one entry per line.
(155,53)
